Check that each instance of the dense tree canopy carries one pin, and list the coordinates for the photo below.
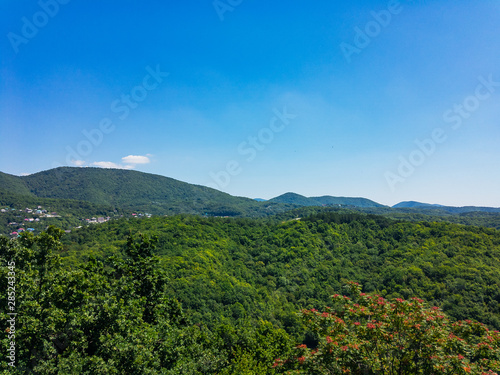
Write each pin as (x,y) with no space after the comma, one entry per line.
(189,295)
(272,269)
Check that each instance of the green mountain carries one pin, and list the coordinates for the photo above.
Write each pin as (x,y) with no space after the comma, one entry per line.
(87,192)
(446,209)
(296,199)
(346,201)
(13,184)
(413,204)
(300,200)
(133,190)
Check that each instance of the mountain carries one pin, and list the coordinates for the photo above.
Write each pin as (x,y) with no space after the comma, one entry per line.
(133,190)
(445,209)
(345,201)
(13,184)
(296,199)
(300,200)
(117,190)
(413,204)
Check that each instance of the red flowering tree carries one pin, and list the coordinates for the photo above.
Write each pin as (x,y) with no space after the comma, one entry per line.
(367,334)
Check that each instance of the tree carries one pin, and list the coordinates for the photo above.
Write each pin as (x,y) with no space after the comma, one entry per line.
(367,334)
(97,318)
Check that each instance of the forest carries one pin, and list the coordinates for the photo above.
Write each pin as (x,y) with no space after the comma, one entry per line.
(202,295)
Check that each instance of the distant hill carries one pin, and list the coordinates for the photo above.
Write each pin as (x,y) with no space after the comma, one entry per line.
(412,204)
(296,199)
(97,190)
(346,201)
(446,209)
(133,190)
(300,200)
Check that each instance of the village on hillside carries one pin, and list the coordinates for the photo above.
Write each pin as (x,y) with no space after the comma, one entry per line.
(17,221)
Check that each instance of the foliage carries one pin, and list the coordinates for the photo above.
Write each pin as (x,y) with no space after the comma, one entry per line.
(367,334)
(239,268)
(13,184)
(114,319)
(190,294)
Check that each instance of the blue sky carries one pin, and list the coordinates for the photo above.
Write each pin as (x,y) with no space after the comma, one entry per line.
(388,100)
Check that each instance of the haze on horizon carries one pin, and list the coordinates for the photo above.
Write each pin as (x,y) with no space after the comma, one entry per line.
(387,100)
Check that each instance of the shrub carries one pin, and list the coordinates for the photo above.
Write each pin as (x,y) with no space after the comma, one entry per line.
(367,334)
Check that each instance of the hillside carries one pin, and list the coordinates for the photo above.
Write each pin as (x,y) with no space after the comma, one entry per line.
(133,190)
(226,296)
(13,184)
(69,213)
(295,199)
(437,208)
(218,264)
(91,191)
(346,201)
(412,204)
(300,200)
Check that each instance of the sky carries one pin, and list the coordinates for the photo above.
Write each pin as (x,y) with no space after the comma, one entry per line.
(387,100)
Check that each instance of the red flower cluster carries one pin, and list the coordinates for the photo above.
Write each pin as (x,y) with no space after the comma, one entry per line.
(369,334)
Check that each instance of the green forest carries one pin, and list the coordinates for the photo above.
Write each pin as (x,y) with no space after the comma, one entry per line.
(202,295)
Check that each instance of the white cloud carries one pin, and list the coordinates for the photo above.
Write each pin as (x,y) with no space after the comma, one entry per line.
(129,162)
(136,159)
(79,163)
(107,164)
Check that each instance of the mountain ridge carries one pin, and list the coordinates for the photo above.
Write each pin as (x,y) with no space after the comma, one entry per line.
(410,204)
(134,190)
(156,194)
(325,200)
(449,209)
